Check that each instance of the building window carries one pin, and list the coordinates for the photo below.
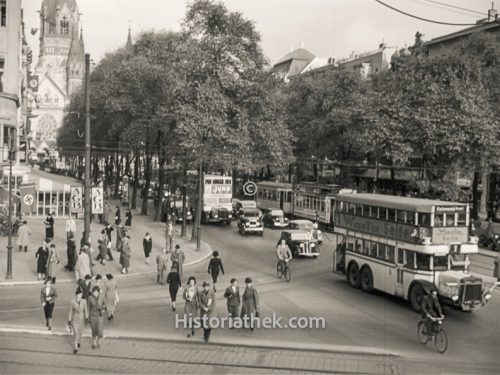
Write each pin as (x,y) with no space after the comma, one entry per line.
(2,71)
(52,28)
(64,26)
(3,13)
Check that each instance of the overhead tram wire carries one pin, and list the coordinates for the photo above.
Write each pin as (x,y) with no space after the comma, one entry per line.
(456,7)
(422,18)
(443,8)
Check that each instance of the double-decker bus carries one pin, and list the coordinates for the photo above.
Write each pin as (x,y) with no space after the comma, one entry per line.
(404,246)
(316,202)
(275,195)
(217,199)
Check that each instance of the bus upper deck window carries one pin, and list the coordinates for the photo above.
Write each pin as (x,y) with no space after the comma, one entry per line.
(410,217)
(439,220)
(366,210)
(374,211)
(391,214)
(382,213)
(424,219)
(401,216)
(352,208)
(462,220)
(359,209)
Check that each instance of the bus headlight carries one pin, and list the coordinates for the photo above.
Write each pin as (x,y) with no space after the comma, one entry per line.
(454,298)
(487,297)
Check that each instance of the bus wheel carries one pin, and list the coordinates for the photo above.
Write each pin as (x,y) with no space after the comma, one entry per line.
(353,275)
(366,279)
(416,294)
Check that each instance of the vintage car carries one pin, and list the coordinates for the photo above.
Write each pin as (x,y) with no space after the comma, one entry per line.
(274,218)
(240,205)
(219,215)
(179,217)
(250,221)
(308,226)
(300,243)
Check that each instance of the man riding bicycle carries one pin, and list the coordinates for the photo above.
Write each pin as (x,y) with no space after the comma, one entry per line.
(283,253)
(431,308)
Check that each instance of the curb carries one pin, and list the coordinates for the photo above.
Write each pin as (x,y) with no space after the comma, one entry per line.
(270,345)
(118,276)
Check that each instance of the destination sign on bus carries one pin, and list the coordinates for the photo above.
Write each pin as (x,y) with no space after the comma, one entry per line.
(221,189)
(450,209)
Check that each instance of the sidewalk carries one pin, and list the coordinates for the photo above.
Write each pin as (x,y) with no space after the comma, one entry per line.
(48,353)
(24,264)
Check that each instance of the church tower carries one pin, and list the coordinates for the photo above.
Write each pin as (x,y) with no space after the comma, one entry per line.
(60,68)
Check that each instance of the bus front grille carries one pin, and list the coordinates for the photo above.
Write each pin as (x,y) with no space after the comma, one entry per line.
(472,291)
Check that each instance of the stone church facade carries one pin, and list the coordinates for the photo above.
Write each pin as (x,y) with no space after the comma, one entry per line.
(60,71)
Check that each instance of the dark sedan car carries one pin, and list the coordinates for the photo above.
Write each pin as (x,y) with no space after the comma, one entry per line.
(250,221)
(300,243)
(274,218)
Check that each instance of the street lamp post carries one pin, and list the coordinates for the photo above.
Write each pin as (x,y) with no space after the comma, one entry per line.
(12,157)
(87,212)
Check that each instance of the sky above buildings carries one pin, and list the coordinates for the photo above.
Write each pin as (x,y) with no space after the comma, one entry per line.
(327,28)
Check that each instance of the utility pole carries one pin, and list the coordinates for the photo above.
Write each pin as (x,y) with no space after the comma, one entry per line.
(12,157)
(87,212)
(200,207)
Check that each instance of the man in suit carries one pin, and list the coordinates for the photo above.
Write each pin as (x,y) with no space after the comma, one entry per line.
(118,216)
(431,308)
(250,309)
(232,294)
(207,306)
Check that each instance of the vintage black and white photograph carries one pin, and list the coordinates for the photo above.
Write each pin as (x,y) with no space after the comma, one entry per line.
(250,187)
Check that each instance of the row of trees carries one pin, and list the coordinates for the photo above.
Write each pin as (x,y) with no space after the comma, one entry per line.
(202,95)
(438,112)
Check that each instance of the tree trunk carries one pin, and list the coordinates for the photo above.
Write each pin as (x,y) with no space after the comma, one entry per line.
(475,195)
(118,162)
(161,178)
(137,157)
(147,175)
(127,165)
(184,205)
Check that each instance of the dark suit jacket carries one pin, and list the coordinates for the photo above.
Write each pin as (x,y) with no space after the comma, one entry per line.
(52,294)
(233,298)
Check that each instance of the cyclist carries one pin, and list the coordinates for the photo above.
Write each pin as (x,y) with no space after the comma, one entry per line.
(431,308)
(283,253)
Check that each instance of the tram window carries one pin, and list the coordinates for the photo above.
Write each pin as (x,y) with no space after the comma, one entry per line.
(322,206)
(450,220)
(359,209)
(438,220)
(424,220)
(423,262)
(391,214)
(410,217)
(381,251)
(366,210)
(352,208)
(401,255)
(461,221)
(401,217)
(390,253)
(382,213)
(410,259)
(440,263)
(374,211)
(373,249)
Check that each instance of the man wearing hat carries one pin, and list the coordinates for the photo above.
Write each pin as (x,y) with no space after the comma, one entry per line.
(207,306)
(179,257)
(250,303)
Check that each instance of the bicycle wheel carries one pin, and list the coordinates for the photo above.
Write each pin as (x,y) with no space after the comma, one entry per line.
(279,270)
(441,341)
(423,337)
(288,274)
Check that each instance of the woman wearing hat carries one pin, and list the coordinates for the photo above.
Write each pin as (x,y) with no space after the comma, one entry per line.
(23,236)
(78,313)
(174,283)
(52,262)
(190,295)
(49,226)
(178,257)
(48,295)
(250,302)
(42,255)
(110,295)
(214,267)
(125,255)
(96,309)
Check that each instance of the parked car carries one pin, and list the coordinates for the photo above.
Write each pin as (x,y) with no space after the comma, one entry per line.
(308,226)
(250,221)
(240,205)
(300,243)
(275,218)
(179,217)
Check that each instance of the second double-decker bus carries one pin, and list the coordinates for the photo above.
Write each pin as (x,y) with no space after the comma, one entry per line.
(405,246)
(217,199)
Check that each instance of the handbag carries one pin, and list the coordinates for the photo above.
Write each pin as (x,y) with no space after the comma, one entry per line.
(69,328)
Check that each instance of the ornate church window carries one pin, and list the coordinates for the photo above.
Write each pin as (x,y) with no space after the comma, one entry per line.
(52,28)
(47,127)
(64,26)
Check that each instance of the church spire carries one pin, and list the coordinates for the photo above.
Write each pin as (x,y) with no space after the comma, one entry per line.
(82,46)
(128,46)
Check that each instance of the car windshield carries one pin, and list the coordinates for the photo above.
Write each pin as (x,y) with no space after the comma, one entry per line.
(252,214)
(276,213)
(248,204)
(303,236)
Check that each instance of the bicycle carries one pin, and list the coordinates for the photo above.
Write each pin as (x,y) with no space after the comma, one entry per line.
(437,334)
(283,269)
